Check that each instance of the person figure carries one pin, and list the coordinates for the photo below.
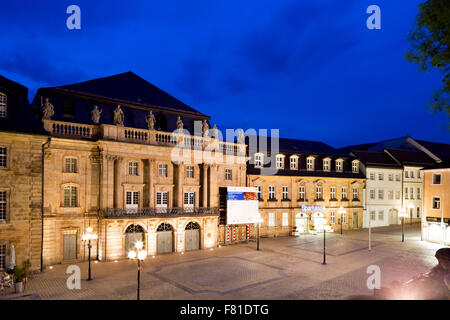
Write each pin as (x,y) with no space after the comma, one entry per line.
(96,113)
(118,116)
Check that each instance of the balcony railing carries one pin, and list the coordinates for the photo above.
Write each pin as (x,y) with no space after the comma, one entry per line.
(159,212)
(142,136)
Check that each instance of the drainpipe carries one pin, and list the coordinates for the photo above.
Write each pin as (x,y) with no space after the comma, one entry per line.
(42,202)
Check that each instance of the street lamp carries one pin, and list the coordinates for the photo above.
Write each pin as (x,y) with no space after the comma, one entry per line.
(411,206)
(258,225)
(88,236)
(140,255)
(403,214)
(341,212)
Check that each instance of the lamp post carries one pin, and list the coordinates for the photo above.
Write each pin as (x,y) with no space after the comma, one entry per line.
(88,236)
(341,213)
(324,247)
(140,255)
(403,214)
(258,225)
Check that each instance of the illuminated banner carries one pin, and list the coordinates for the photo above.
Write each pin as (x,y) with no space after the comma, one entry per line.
(242,205)
(312,208)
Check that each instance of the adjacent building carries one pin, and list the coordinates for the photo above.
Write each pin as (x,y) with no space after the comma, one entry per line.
(303,184)
(436,203)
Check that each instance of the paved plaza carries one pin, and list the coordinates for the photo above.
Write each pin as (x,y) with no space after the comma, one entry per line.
(284,268)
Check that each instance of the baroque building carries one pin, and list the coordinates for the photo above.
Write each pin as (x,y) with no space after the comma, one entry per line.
(304,185)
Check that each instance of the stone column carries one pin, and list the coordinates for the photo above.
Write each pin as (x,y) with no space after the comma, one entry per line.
(205,185)
(118,178)
(180,185)
(151,173)
(213,189)
(107,181)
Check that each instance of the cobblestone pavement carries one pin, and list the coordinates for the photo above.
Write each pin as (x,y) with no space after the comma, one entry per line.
(284,268)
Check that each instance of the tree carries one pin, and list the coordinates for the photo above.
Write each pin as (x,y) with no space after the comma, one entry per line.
(430,47)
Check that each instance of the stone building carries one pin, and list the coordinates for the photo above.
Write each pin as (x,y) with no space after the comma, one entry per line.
(304,184)
(133,163)
(20,177)
(436,203)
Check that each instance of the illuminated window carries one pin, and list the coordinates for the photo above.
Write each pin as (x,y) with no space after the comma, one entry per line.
(162,198)
(133,168)
(3,157)
(344,218)
(3,205)
(71,165)
(436,203)
(3,257)
(190,172)
(285,193)
(338,165)
(332,218)
(258,160)
(285,219)
(271,219)
(326,165)
(372,215)
(344,193)
(310,163)
(355,193)
(3,105)
(301,193)
(259,192)
(271,192)
(293,163)
(279,162)
(355,166)
(380,194)
(70,196)
(381,215)
(228,174)
(162,170)
(333,192)
(132,198)
(318,193)
(189,198)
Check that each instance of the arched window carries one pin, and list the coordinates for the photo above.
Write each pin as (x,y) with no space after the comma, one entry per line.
(192,226)
(133,233)
(164,227)
(3,105)
(134,228)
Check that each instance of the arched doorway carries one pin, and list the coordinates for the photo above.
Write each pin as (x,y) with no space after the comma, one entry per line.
(318,219)
(301,221)
(192,236)
(164,238)
(133,233)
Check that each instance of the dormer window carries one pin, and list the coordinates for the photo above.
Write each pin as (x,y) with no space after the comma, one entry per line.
(310,163)
(355,166)
(3,105)
(293,162)
(258,160)
(279,161)
(326,164)
(339,165)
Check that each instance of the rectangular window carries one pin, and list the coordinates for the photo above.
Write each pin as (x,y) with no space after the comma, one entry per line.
(326,165)
(372,215)
(162,170)
(372,194)
(372,176)
(344,218)
(406,193)
(293,163)
(338,165)
(285,219)
(162,198)
(436,203)
(344,193)
(3,205)
(436,178)
(318,193)
(3,157)
(132,168)
(419,175)
(259,192)
(397,177)
(271,192)
(333,218)
(411,193)
(391,177)
(310,163)
(190,172)
(301,193)
(258,160)
(189,198)
(355,193)
(355,167)
(70,196)
(132,198)
(418,212)
(391,195)
(279,162)
(285,193)
(381,215)
(412,174)
(406,174)
(271,219)
(3,105)
(381,176)
(381,194)
(397,195)
(3,257)
(333,192)
(71,165)
(228,175)
(418,193)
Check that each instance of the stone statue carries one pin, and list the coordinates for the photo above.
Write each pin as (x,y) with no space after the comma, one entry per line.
(179,123)
(118,116)
(96,113)
(47,109)
(205,128)
(150,119)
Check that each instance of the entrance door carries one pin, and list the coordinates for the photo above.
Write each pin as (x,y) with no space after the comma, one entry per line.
(189,201)
(132,201)
(355,220)
(70,245)
(164,238)
(301,221)
(192,236)
(393,217)
(133,234)
(162,200)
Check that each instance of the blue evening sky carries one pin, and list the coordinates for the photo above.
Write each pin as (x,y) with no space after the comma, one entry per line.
(309,68)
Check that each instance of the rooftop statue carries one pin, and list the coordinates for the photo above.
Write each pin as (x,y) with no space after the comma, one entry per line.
(179,123)
(150,119)
(118,116)
(47,109)
(96,113)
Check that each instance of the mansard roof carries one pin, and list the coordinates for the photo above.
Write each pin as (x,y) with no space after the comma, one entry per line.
(376,159)
(411,157)
(127,88)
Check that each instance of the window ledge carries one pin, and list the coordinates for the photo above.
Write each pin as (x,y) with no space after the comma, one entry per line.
(272,200)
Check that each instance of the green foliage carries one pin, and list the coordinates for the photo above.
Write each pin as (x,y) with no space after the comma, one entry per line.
(21,273)
(430,46)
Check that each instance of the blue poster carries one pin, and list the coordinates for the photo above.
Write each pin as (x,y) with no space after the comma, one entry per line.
(235,195)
